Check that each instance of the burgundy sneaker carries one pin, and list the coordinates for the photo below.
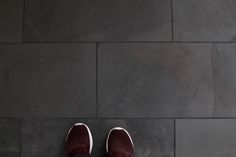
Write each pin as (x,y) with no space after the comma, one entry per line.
(79,140)
(119,143)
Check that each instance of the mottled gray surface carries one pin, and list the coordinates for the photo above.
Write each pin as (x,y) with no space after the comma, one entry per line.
(225,79)
(204,20)
(9,138)
(206,138)
(45,137)
(118,59)
(102,20)
(11,19)
(155,80)
(56,80)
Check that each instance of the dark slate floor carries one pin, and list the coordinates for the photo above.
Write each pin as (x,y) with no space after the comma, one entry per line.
(163,69)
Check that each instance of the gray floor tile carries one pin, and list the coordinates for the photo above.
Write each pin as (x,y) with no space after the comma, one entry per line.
(55,80)
(224,58)
(155,80)
(11,17)
(9,138)
(103,20)
(205,138)
(46,137)
(204,20)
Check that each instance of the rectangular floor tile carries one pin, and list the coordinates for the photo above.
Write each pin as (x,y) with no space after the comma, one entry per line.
(224,59)
(9,138)
(11,18)
(204,20)
(55,80)
(46,137)
(103,20)
(155,80)
(205,138)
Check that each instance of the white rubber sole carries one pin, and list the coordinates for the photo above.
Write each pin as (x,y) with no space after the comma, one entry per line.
(118,128)
(89,132)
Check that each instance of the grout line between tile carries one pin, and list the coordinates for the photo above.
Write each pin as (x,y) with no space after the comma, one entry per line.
(23,19)
(97,80)
(175,138)
(20,138)
(120,42)
(172,21)
(171,118)
(175,118)
(10,118)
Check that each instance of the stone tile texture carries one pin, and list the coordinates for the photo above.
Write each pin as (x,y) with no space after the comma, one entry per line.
(204,20)
(103,20)
(11,21)
(9,138)
(224,64)
(48,80)
(206,137)
(159,68)
(155,80)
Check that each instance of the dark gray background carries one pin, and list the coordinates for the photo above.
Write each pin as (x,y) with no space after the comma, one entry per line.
(163,69)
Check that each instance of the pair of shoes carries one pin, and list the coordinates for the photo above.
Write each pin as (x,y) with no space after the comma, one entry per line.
(79,142)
